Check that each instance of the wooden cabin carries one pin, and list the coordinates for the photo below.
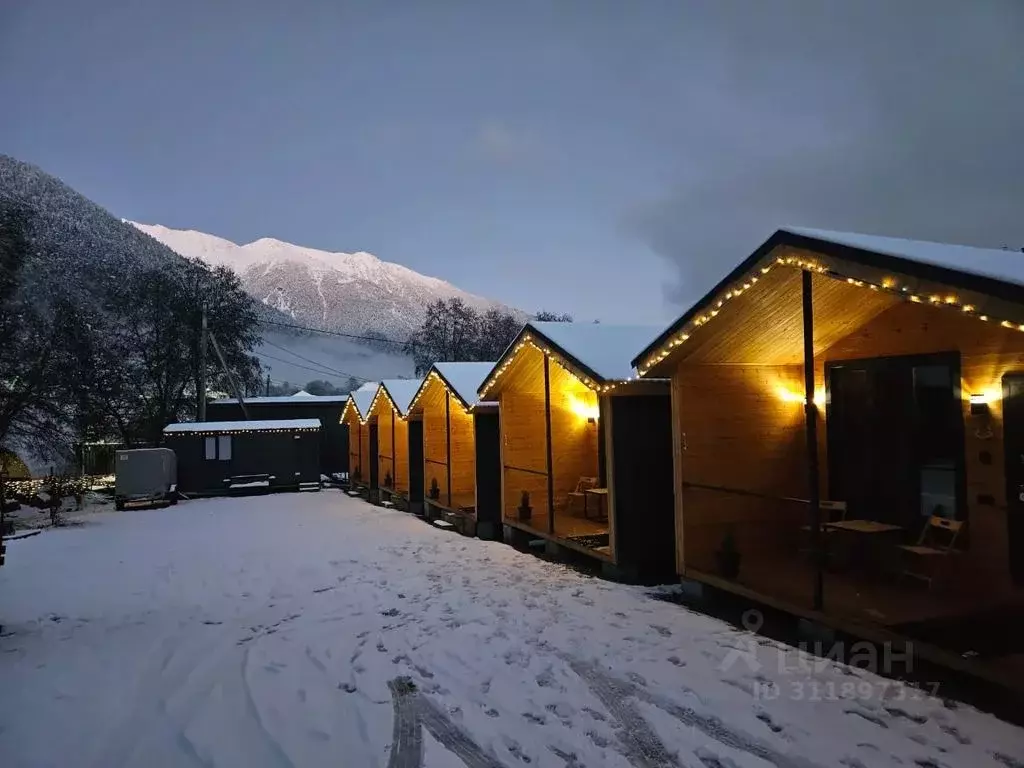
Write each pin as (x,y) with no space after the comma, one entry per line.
(388,416)
(461,477)
(843,406)
(326,408)
(220,457)
(585,448)
(355,417)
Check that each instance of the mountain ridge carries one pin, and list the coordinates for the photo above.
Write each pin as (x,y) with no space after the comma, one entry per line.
(338,291)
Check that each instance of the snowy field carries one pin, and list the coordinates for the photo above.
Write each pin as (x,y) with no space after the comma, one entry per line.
(315,630)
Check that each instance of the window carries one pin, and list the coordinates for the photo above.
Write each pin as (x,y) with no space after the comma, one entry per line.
(218,448)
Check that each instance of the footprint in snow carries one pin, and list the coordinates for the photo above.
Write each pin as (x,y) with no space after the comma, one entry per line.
(492,712)
(346,687)
(595,714)
(676,661)
(663,631)
(638,679)
(765,718)
(380,646)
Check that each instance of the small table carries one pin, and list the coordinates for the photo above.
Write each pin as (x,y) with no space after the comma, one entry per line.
(870,551)
(863,526)
(601,493)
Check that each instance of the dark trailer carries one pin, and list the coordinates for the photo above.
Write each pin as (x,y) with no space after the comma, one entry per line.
(216,457)
(326,408)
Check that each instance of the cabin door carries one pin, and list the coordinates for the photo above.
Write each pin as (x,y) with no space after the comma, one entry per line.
(488,468)
(415,463)
(374,460)
(1013,440)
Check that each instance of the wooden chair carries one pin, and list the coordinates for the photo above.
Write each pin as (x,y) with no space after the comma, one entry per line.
(936,542)
(578,495)
(831,512)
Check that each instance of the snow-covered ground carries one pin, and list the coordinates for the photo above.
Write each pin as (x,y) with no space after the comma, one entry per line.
(315,630)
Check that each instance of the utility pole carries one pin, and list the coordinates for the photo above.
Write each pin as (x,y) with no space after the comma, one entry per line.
(230,378)
(201,394)
(268,384)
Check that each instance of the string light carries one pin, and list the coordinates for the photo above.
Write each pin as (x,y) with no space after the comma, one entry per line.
(211,433)
(888,284)
(528,341)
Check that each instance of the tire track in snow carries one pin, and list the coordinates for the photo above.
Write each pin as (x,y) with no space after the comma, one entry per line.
(644,744)
(413,712)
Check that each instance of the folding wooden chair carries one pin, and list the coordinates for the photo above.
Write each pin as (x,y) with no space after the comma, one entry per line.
(831,512)
(579,495)
(936,542)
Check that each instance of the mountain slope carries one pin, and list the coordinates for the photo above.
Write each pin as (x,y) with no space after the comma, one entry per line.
(86,248)
(345,292)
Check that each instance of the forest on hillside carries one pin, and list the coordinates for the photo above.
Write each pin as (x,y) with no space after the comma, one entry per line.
(115,364)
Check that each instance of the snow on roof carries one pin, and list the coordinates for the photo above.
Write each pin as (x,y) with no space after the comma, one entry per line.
(368,386)
(465,379)
(605,349)
(995,263)
(363,399)
(310,399)
(302,393)
(401,392)
(243,426)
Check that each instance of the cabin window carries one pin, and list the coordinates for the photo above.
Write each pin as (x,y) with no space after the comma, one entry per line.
(895,438)
(218,448)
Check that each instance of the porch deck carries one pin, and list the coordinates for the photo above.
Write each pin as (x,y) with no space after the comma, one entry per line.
(853,596)
(571,531)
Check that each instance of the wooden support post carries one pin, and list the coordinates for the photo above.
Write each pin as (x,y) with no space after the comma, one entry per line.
(448,440)
(811,419)
(547,443)
(394,453)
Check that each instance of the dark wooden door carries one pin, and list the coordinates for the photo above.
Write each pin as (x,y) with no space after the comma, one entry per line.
(415,462)
(488,468)
(374,459)
(851,469)
(1013,440)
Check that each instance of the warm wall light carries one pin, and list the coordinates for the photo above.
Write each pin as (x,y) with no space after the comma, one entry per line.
(585,410)
(979,404)
(792,396)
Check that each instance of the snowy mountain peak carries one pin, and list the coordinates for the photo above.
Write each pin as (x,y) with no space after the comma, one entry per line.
(347,292)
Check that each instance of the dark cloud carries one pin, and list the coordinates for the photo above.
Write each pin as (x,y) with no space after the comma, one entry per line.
(895,118)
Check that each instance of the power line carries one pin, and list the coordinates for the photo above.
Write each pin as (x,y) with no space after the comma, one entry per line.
(310,360)
(321,371)
(378,339)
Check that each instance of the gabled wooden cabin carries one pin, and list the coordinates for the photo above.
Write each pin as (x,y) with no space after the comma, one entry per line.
(326,408)
(585,447)
(355,416)
(848,415)
(388,416)
(461,470)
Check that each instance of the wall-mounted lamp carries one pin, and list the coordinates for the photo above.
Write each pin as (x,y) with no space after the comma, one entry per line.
(591,420)
(979,405)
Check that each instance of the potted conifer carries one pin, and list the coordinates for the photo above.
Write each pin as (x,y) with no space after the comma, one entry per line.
(525,510)
(727,557)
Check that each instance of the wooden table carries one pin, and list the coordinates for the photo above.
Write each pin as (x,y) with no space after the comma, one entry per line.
(601,493)
(863,526)
(870,551)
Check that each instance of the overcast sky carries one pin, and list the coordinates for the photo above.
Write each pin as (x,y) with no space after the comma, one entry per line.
(610,159)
